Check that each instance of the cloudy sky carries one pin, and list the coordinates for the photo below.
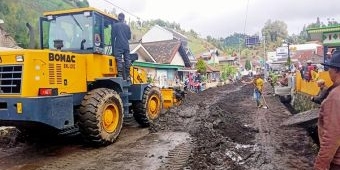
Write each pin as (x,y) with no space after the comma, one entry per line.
(221,18)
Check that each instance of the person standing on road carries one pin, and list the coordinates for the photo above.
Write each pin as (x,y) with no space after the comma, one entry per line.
(121,34)
(258,84)
(315,74)
(283,80)
(329,121)
(308,71)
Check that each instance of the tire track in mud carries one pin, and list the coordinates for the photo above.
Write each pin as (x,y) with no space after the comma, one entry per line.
(281,147)
(178,157)
(232,120)
(97,158)
(199,119)
(220,133)
(199,115)
(266,148)
(141,150)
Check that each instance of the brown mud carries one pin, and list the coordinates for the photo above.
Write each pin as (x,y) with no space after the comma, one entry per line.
(229,132)
(219,128)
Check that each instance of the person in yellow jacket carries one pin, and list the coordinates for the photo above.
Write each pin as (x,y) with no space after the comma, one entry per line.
(315,74)
(258,84)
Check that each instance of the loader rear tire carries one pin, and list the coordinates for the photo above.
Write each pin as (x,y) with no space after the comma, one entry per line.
(150,107)
(101,116)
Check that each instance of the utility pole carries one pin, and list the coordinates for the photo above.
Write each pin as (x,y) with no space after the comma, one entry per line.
(264,48)
(265,58)
(239,50)
(289,59)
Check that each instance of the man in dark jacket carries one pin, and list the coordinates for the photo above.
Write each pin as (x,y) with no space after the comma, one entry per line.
(329,121)
(121,34)
(322,93)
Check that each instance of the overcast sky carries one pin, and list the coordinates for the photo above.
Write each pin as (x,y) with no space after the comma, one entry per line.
(221,18)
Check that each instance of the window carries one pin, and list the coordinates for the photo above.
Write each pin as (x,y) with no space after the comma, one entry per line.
(107,37)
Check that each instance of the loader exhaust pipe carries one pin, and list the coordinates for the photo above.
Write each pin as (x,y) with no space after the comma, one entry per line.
(31,35)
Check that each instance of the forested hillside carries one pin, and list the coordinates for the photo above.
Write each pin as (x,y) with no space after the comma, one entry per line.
(16,13)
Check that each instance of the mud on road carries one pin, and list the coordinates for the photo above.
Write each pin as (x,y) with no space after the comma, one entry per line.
(229,132)
(219,128)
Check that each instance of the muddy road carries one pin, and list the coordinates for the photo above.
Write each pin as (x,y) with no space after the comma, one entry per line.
(219,128)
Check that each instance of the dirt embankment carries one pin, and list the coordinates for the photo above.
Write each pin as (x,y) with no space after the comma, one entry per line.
(229,132)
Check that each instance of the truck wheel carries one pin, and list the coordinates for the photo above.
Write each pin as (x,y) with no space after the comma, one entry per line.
(150,107)
(101,116)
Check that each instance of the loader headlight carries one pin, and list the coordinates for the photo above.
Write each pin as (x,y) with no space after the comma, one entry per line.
(50,17)
(19,58)
(87,14)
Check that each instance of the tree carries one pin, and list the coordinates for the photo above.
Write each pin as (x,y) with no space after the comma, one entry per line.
(316,24)
(82,3)
(275,31)
(245,52)
(193,33)
(201,66)
(227,70)
(247,65)
(209,38)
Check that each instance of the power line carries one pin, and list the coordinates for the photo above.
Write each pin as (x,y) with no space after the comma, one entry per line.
(245,21)
(124,10)
(244,32)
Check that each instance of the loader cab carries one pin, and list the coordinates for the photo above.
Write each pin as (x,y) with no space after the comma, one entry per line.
(83,30)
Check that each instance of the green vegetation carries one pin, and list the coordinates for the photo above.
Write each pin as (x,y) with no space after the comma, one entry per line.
(273,78)
(227,70)
(201,66)
(247,65)
(16,13)
(273,32)
(198,45)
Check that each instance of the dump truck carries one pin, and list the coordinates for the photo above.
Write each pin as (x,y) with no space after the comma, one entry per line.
(71,85)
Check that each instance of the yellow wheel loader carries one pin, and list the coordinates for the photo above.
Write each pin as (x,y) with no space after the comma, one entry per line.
(71,84)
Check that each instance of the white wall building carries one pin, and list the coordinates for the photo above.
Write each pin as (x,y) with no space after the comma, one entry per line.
(157,33)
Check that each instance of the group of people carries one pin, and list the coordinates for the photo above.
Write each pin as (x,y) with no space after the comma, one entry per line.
(309,72)
(329,116)
(328,157)
(193,82)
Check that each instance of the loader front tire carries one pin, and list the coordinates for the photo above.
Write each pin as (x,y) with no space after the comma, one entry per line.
(101,116)
(150,107)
